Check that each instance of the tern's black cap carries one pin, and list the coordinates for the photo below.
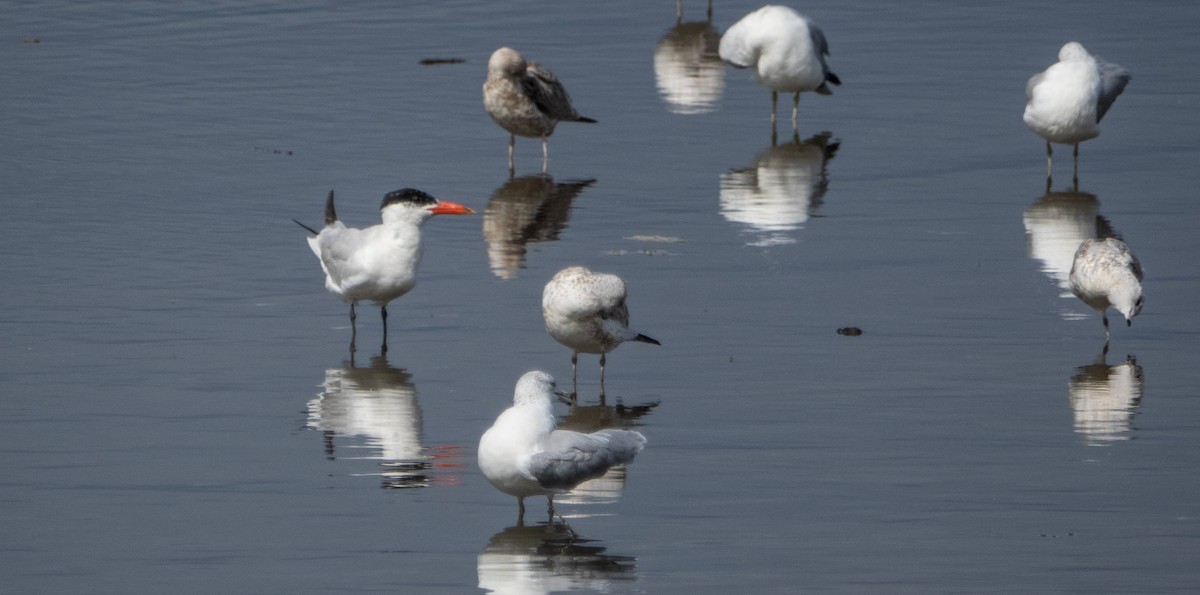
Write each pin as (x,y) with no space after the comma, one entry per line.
(407,195)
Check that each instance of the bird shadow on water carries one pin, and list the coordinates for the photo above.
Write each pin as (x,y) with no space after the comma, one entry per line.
(549,559)
(374,411)
(523,210)
(1105,398)
(783,188)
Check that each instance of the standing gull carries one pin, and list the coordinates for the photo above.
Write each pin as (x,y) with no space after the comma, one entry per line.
(522,454)
(1065,103)
(786,50)
(586,312)
(525,99)
(1106,273)
(378,263)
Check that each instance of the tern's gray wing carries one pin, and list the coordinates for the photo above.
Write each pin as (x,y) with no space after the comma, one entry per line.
(547,93)
(570,458)
(1113,79)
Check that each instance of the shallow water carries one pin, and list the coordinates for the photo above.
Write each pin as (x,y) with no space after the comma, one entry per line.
(180,411)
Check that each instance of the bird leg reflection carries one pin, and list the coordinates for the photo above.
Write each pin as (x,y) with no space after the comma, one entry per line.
(774,106)
(1075,172)
(353,329)
(545,155)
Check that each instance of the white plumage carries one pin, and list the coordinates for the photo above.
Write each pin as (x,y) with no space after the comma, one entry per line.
(1106,273)
(1065,102)
(586,312)
(378,263)
(786,51)
(523,455)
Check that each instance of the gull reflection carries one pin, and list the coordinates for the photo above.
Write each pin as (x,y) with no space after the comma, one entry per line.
(375,409)
(1055,225)
(549,559)
(607,488)
(1105,398)
(777,194)
(522,210)
(689,72)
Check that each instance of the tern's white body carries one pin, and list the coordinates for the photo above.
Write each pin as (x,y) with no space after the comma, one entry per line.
(522,454)
(1106,273)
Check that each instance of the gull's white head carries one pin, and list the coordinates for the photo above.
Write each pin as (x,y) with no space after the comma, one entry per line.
(1073,50)
(532,386)
(1128,301)
(506,61)
(411,204)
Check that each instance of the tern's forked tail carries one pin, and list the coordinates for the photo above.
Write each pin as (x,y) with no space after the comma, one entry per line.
(330,213)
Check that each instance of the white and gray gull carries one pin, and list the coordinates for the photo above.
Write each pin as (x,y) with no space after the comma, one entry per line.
(526,99)
(785,49)
(1065,103)
(1106,273)
(586,312)
(523,455)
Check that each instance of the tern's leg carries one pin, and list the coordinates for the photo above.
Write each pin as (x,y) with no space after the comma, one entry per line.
(795,109)
(353,327)
(550,508)
(383,314)
(545,154)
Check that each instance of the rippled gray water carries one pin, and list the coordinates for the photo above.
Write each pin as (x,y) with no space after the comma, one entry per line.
(179,412)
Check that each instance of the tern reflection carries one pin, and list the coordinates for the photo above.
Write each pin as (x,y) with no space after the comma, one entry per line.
(549,559)
(526,209)
(777,194)
(375,410)
(607,488)
(689,72)
(1105,398)
(1055,225)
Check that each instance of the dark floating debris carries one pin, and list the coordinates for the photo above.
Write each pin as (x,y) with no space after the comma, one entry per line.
(849,331)
(437,61)
(287,152)
(32,40)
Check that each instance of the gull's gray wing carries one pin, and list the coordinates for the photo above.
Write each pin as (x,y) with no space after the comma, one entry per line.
(1113,79)
(547,93)
(570,458)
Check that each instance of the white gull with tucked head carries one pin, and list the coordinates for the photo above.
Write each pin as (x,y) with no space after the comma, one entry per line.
(378,263)
(586,312)
(1106,273)
(523,455)
(1065,102)
(525,99)
(786,50)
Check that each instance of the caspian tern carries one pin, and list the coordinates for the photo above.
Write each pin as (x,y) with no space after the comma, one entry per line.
(526,99)
(786,50)
(522,454)
(1065,103)
(586,312)
(378,263)
(1106,273)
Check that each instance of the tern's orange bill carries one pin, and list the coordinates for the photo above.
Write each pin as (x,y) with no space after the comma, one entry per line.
(451,208)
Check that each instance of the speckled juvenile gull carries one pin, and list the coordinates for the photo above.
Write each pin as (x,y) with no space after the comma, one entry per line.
(586,312)
(1065,103)
(523,455)
(786,50)
(1106,273)
(526,99)
(378,263)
